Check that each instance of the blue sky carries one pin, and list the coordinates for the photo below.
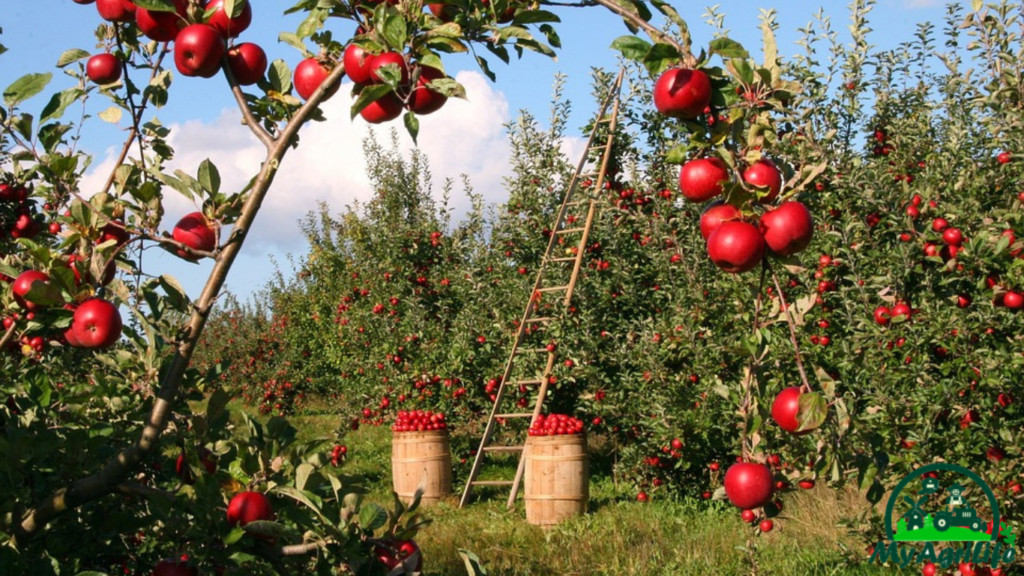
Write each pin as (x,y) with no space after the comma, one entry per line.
(462,138)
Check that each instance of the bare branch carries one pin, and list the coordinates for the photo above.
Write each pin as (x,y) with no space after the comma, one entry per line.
(247,117)
(645,25)
(792,333)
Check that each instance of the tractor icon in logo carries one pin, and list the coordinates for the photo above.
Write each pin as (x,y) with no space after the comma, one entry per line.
(964,516)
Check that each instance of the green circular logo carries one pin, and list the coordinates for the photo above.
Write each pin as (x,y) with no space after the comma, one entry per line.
(891,504)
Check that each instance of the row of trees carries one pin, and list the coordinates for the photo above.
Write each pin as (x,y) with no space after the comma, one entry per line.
(397,307)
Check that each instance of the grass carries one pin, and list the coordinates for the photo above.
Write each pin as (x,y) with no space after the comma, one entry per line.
(619,537)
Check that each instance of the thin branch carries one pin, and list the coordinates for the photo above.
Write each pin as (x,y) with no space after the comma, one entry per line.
(8,336)
(647,27)
(792,333)
(136,489)
(134,131)
(136,112)
(116,470)
(247,117)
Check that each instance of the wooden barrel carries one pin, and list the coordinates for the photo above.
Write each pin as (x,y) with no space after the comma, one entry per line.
(419,455)
(557,478)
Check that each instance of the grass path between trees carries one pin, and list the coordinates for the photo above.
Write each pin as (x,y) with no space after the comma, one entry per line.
(619,537)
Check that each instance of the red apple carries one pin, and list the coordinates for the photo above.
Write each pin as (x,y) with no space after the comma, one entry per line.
(384,109)
(701,179)
(1004,157)
(902,309)
(748,485)
(174,568)
(198,51)
(995,453)
(114,230)
(748,516)
(384,59)
(103,69)
(787,229)
(786,409)
(682,93)
(806,484)
(23,283)
(225,25)
(423,100)
(181,467)
(162,26)
(929,569)
(952,236)
(715,214)
(248,63)
(116,10)
(764,174)
(309,75)
(939,224)
(767,525)
(1013,300)
(83,1)
(357,64)
(196,232)
(405,549)
(736,247)
(96,324)
(248,507)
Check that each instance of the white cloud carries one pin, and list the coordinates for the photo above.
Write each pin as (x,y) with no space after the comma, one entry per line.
(464,137)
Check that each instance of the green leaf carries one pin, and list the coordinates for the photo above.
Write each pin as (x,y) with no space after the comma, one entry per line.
(473,566)
(660,57)
(176,295)
(216,404)
(485,68)
(812,411)
(368,95)
(234,536)
(394,31)
(678,154)
(209,177)
(23,124)
(112,115)
(304,498)
(26,87)
(302,474)
(631,47)
(727,48)
(412,125)
(71,56)
(294,41)
(59,103)
(280,76)
(157,5)
(535,17)
(977,5)
(372,517)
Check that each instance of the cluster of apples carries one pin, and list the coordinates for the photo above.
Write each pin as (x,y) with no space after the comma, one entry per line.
(419,421)
(363,68)
(199,42)
(22,225)
(556,425)
(734,243)
(96,323)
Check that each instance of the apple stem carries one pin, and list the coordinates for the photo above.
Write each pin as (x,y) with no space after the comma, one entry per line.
(806,387)
(248,119)
(135,111)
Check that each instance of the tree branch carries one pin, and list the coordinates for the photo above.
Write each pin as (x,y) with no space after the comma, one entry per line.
(8,336)
(647,27)
(136,489)
(247,117)
(792,333)
(116,470)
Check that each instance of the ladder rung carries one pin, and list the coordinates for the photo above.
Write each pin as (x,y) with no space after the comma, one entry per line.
(491,483)
(515,415)
(503,448)
(532,350)
(570,230)
(527,383)
(553,288)
(537,319)
(578,202)
(564,259)
(604,120)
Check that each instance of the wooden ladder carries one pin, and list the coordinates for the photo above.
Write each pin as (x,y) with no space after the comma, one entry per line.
(605,124)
